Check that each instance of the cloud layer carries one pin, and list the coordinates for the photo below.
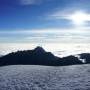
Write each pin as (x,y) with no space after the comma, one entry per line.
(30,2)
(46,36)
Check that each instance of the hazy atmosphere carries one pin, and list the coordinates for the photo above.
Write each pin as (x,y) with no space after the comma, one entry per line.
(44,44)
(60,26)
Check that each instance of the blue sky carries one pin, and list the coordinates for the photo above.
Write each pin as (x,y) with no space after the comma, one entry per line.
(18,18)
(35,14)
(43,22)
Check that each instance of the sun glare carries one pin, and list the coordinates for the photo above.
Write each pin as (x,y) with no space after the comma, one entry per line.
(79,18)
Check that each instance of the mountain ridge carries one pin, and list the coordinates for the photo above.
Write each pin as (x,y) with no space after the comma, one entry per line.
(39,56)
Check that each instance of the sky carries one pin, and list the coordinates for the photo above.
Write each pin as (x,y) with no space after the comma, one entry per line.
(42,22)
(39,14)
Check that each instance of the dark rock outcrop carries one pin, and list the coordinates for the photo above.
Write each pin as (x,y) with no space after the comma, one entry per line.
(86,57)
(38,56)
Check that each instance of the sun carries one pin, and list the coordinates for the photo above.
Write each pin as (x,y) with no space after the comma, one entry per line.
(79,18)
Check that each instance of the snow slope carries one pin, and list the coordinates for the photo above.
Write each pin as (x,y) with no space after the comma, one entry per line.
(30,77)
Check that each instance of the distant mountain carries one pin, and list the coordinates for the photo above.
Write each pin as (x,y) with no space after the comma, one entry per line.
(37,56)
(70,60)
(86,57)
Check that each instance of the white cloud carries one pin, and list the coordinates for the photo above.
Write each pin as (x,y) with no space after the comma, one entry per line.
(29,2)
(61,42)
(78,15)
(59,49)
(73,35)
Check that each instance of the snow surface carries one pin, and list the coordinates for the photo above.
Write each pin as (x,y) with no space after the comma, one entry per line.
(30,77)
